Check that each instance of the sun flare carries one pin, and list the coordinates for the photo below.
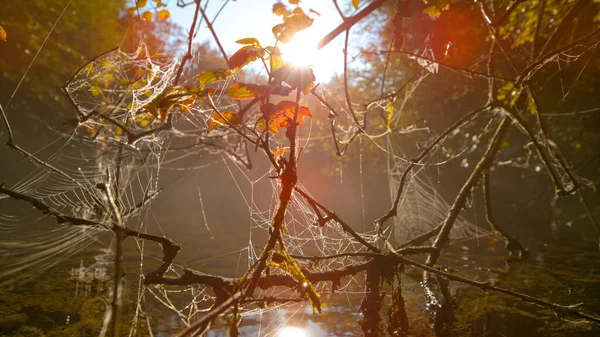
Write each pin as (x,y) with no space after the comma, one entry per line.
(301,50)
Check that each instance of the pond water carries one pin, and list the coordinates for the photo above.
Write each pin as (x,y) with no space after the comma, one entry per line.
(563,270)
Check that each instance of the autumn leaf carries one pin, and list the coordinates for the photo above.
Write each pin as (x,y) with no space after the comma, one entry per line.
(249,90)
(131,11)
(262,125)
(211,76)
(288,108)
(147,16)
(187,104)
(280,151)
(296,77)
(96,91)
(163,14)
(435,11)
(292,24)
(166,100)
(298,22)
(280,115)
(240,91)
(141,3)
(275,57)
(294,2)
(2,34)
(355,4)
(249,40)
(494,239)
(279,9)
(223,119)
(244,56)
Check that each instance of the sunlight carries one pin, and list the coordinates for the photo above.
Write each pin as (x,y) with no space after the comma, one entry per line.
(302,51)
(290,331)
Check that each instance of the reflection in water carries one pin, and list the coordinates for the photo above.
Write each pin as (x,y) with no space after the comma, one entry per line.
(291,331)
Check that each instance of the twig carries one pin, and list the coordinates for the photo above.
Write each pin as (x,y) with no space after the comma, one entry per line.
(483,164)
(214,34)
(559,309)
(513,244)
(344,225)
(188,54)
(392,212)
(349,22)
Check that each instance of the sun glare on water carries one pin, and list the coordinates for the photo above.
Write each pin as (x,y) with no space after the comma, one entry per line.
(290,331)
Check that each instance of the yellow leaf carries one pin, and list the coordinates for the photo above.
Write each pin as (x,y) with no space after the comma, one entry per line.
(249,40)
(241,92)
(214,75)
(147,16)
(163,14)
(223,119)
(96,91)
(262,125)
(355,4)
(141,3)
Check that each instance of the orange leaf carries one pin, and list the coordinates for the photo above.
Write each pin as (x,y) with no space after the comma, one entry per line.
(244,56)
(297,22)
(187,104)
(280,115)
(147,16)
(494,240)
(262,125)
(288,108)
(355,4)
(294,2)
(2,34)
(223,119)
(279,9)
(163,14)
(280,151)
